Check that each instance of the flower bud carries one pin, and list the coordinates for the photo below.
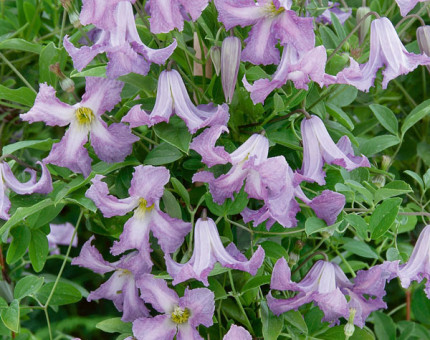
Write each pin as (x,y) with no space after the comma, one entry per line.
(386,162)
(365,26)
(293,258)
(67,85)
(230,61)
(349,330)
(423,38)
(379,181)
(215,53)
(69,6)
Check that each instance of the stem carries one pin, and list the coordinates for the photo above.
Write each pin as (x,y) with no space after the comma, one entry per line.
(20,76)
(63,24)
(344,261)
(408,17)
(308,258)
(408,305)
(412,21)
(48,323)
(236,297)
(395,310)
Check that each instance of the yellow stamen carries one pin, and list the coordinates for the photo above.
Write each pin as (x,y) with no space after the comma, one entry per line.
(143,208)
(84,115)
(180,315)
(272,10)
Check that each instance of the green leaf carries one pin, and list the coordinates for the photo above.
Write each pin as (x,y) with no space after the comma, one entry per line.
(23,95)
(17,248)
(385,328)
(255,282)
(338,27)
(340,116)
(38,250)
(361,249)
(44,216)
(279,105)
(393,254)
(97,71)
(314,225)
(175,133)
(114,325)
(377,144)
(421,306)
(338,333)
(229,207)
(359,224)
(163,154)
(28,285)
(180,190)
(386,117)
(394,188)
(48,56)
(10,316)
(426,179)
(64,294)
(20,45)
(416,115)
(416,177)
(274,250)
(171,205)
(44,145)
(272,325)
(384,216)
(296,319)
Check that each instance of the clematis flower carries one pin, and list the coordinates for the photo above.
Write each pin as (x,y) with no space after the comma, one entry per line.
(121,286)
(342,15)
(180,316)
(9,181)
(271,20)
(61,234)
(300,68)
(318,147)
(147,187)
(168,15)
(230,62)
(124,48)
(172,97)
(387,50)
(407,5)
(208,249)
(417,267)
(237,333)
(111,143)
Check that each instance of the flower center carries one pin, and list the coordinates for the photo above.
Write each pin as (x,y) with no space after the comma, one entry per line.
(272,10)
(84,115)
(180,315)
(143,208)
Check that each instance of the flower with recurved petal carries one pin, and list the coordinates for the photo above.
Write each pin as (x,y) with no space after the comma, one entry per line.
(61,234)
(407,5)
(180,316)
(237,333)
(111,143)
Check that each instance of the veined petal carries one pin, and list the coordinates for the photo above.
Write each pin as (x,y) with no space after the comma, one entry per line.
(148,182)
(49,109)
(123,59)
(158,56)
(61,234)
(239,12)
(159,327)
(328,206)
(43,186)
(165,16)
(108,204)
(186,332)
(256,146)
(333,304)
(281,277)
(407,5)
(194,7)
(200,302)
(237,333)
(4,200)
(91,258)
(84,55)
(279,306)
(101,13)
(133,305)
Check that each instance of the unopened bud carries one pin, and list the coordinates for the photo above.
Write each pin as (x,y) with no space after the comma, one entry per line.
(215,53)
(365,26)
(386,162)
(231,51)
(423,38)
(67,85)
(293,258)
(69,6)
(379,181)
(349,330)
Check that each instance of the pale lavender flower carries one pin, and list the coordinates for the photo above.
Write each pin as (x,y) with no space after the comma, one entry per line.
(9,181)
(208,249)
(298,67)
(121,286)
(166,15)
(342,15)
(147,187)
(111,143)
(124,48)
(407,5)
(271,20)
(230,62)
(319,148)
(423,39)
(61,234)
(172,98)
(387,50)
(237,333)
(180,316)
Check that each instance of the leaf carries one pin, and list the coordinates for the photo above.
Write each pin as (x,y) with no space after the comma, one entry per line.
(28,285)
(255,282)
(17,248)
(163,154)
(114,325)
(274,250)
(426,178)
(296,319)
(23,95)
(20,45)
(64,294)
(377,144)
(175,133)
(394,188)
(415,116)
(393,254)
(340,116)
(171,205)
(48,56)
(384,216)
(272,325)
(98,71)
(421,306)
(361,249)
(314,225)
(385,328)
(229,207)
(338,333)
(386,117)
(44,145)
(10,316)
(38,250)
(359,224)
(180,190)
(416,177)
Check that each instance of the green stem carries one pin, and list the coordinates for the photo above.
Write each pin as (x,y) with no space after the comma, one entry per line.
(63,24)
(20,76)
(344,261)
(236,297)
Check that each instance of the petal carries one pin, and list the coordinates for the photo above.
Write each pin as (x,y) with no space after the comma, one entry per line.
(333,304)
(133,305)
(157,56)
(123,59)
(224,186)
(237,333)
(91,258)
(194,7)
(328,206)
(281,277)
(363,307)
(159,327)
(49,109)
(407,5)
(108,204)
(4,200)
(148,182)
(43,186)
(165,16)
(84,55)
(279,306)
(156,292)
(260,89)
(372,281)
(62,234)
(200,302)
(239,12)
(187,332)
(100,13)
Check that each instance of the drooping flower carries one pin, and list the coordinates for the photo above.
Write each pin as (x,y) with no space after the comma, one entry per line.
(147,187)
(111,143)
(237,333)
(61,234)
(230,62)
(121,286)
(387,50)
(9,181)
(407,5)
(208,249)
(180,316)
(124,48)
(319,148)
(168,15)
(300,68)
(342,15)
(423,39)
(271,20)
(172,98)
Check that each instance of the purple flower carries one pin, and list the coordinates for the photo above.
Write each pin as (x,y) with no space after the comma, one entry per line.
(9,181)
(124,48)
(271,20)
(208,249)
(387,50)
(121,287)
(172,97)
(300,68)
(325,17)
(170,14)
(111,143)
(230,62)
(180,316)
(61,234)
(319,148)
(407,5)
(147,187)
(237,333)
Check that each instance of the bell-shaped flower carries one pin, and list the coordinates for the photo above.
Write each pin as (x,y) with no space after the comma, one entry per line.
(387,50)
(208,249)
(237,333)
(271,20)
(319,148)
(147,187)
(423,39)
(111,143)
(172,98)
(9,181)
(300,68)
(230,62)
(124,48)
(407,5)
(61,234)
(179,316)
(168,15)
(121,286)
